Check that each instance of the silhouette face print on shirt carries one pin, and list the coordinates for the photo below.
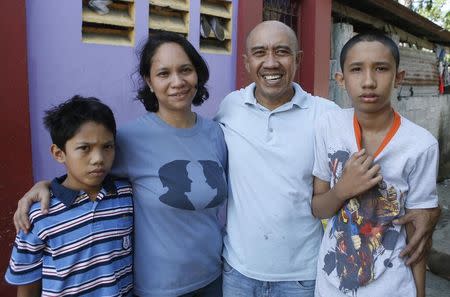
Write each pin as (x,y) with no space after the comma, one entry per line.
(192,185)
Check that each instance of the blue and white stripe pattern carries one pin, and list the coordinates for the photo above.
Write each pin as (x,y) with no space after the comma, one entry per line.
(82,247)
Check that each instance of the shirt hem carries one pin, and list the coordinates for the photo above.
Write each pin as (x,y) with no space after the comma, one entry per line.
(21,283)
(180,291)
(422,205)
(295,276)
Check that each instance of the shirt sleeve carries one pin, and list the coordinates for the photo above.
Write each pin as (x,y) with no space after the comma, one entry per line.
(222,149)
(422,180)
(224,108)
(120,166)
(25,265)
(321,168)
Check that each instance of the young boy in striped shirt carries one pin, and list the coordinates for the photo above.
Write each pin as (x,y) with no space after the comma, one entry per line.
(83,245)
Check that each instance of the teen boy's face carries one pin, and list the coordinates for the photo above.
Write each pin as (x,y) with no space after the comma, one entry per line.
(369,76)
(88,157)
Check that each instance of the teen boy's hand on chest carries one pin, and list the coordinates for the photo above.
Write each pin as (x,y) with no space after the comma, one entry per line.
(359,175)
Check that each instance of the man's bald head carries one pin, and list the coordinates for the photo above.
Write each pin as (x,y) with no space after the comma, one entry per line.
(272,25)
(271,60)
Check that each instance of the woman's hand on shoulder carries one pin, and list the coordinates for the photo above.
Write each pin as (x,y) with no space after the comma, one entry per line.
(39,192)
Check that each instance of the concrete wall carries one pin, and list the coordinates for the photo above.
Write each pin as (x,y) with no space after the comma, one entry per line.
(432,113)
(60,65)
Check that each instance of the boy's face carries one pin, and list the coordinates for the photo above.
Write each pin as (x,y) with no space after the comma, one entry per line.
(88,157)
(369,76)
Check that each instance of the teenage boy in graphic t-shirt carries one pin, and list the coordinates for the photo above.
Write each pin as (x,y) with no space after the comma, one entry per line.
(371,166)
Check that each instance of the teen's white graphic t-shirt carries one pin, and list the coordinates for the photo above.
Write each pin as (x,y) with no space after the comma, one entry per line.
(359,254)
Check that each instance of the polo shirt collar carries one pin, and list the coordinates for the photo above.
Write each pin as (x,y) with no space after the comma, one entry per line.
(301,98)
(69,196)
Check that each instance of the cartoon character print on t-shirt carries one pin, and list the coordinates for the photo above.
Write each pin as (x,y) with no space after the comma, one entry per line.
(363,232)
(192,185)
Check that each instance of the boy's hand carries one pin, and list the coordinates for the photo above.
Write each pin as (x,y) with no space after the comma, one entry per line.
(358,176)
(423,221)
(39,192)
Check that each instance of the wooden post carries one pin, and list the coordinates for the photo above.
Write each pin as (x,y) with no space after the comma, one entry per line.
(16,174)
(315,31)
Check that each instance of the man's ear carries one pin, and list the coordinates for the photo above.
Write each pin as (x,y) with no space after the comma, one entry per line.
(339,77)
(246,63)
(298,57)
(57,153)
(399,78)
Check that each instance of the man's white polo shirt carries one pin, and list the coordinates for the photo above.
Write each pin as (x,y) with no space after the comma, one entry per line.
(271,232)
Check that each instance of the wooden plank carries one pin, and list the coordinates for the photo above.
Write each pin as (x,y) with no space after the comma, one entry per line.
(173,4)
(169,22)
(216,8)
(357,15)
(109,36)
(379,24)
(114,17)
(106,40)
(223,48)
(407,37)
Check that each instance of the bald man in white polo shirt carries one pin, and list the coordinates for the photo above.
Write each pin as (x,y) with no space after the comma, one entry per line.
(272,238)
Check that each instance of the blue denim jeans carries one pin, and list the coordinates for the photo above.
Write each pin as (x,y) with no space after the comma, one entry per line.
(237,285)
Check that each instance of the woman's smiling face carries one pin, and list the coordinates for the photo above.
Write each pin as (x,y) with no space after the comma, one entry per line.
(173,78)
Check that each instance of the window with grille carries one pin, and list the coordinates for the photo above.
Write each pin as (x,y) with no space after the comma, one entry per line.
(108,22)
(215,26)
(285,11)
(169,15)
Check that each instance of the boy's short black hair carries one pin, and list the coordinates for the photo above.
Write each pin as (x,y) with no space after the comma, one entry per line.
(64,121)
(371,36)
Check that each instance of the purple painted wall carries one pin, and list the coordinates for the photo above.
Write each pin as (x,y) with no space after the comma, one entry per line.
(60,65)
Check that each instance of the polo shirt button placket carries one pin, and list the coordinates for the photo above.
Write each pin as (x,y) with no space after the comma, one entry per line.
(269,128)
(95,225)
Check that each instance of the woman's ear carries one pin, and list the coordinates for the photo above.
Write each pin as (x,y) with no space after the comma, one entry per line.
(149,83)
(57,153)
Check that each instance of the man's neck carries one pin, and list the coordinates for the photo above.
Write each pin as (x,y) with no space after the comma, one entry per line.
(274,103)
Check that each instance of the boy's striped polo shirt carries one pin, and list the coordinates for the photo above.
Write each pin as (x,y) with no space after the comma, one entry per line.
(81,247)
